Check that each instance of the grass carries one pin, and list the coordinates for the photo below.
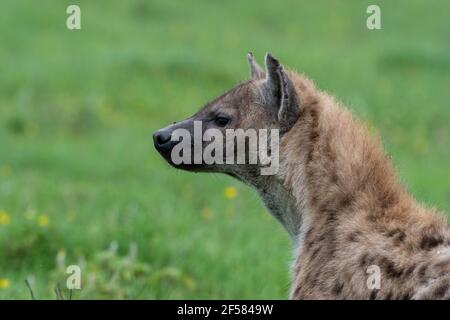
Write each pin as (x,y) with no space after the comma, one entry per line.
(81,184)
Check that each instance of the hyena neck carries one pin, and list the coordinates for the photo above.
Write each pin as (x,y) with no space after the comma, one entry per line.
(329,165)
(332,166)
(282,204)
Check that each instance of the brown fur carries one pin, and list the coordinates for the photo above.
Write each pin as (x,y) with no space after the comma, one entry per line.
(359,214)
(335,192)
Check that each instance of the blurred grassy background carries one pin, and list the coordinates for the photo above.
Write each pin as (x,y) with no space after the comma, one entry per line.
(80,182)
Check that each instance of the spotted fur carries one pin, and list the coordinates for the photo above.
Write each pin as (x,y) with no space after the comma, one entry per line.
(335,193)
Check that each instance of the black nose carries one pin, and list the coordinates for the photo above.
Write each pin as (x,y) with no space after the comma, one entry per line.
(161,138)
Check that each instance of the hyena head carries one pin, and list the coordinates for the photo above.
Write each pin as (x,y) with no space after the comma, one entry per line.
(246,120)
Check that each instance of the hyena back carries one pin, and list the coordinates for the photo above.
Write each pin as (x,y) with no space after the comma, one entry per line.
(335,192)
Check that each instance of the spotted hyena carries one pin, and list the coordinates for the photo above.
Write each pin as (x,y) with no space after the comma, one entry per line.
(335,192)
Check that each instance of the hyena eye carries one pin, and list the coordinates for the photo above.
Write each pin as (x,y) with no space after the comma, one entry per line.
(221,121)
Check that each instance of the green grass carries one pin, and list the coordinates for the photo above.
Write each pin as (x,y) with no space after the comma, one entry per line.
(77,109)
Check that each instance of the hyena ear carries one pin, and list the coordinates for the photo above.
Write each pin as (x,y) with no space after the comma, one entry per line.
(279,92)
(256,72)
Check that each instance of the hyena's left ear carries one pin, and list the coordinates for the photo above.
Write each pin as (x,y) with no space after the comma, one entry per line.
(279,92)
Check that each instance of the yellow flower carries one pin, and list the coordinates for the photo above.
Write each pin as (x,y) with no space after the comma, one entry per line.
(43,220)
(4,217)
(230,192)
(206,213)
(4,283)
